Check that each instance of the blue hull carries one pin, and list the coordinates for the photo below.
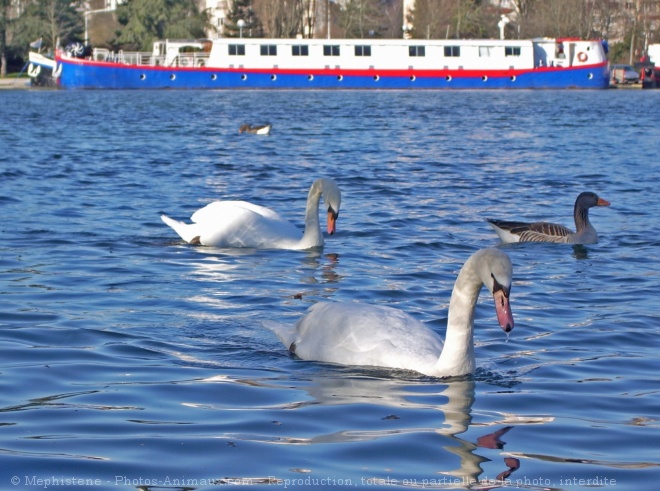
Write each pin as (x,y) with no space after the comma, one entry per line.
(80,74)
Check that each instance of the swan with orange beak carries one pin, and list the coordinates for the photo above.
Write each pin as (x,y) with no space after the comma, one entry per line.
(242,224)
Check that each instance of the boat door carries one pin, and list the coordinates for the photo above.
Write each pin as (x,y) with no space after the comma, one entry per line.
(570,53)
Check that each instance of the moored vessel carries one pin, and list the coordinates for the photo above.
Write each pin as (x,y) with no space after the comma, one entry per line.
(250,63)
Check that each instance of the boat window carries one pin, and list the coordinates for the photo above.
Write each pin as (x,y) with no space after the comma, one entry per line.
(331,50)
(237,50)
(362,50)
(452,51)
(416,51)
(300,50)
(268,50)
(484,51)
(512,51)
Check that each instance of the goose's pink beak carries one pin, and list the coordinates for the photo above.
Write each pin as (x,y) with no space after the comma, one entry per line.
(503,309)
(602,202)
(332,220)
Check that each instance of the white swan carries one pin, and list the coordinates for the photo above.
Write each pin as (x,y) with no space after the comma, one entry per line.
(243,224)
(585,233)
(358,334)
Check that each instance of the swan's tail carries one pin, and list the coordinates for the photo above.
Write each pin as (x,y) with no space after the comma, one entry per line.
(187,232)
(286,333)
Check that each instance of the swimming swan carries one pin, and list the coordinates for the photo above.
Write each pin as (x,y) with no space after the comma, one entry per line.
(358,334)
(243,224)
(585,233)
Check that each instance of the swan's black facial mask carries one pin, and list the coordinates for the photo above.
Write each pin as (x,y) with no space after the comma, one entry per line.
(498,287)
(502,307)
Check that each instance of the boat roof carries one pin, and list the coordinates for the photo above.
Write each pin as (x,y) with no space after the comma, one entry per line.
(374,41)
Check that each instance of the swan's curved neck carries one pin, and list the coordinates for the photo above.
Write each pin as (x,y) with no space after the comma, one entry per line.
(457,357)
(313,236)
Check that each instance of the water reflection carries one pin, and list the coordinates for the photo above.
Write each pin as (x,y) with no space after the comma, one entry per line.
(458,396)
(414,408)
(324,264)
(580,252)
(233,274)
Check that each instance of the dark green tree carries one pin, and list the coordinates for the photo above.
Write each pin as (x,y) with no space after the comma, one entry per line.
(4,25)
(52,21)
(242,10)
(58,20)
(145,21)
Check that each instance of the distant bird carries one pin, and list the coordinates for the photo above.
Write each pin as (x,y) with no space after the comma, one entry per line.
(263,129)
(550,232)
(242,224)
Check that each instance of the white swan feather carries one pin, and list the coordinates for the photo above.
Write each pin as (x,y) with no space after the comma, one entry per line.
(237,224)
(358,334)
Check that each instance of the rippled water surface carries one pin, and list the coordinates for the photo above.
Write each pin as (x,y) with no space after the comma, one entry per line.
(130,360)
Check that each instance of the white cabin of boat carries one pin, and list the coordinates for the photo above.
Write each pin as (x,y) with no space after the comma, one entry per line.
(364,54)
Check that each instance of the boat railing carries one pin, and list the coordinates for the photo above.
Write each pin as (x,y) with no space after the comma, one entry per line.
(125,57)
(148,59)
(100,54)
(191,60)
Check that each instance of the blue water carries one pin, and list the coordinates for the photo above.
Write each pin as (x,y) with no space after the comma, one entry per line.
(129,360)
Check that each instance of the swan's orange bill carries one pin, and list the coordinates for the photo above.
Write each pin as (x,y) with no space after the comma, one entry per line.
(503,309)
(602,202)
(332,219)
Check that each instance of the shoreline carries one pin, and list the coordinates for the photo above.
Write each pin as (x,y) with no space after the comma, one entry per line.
(15,83)
(25,83)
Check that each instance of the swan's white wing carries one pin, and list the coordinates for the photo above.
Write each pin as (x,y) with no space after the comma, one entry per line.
(219,208)
(243,224)
(359,334)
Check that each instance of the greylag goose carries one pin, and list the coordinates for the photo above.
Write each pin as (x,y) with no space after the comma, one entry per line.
(584,233)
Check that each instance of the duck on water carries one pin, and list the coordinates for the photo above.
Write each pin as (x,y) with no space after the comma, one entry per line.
(585,233)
